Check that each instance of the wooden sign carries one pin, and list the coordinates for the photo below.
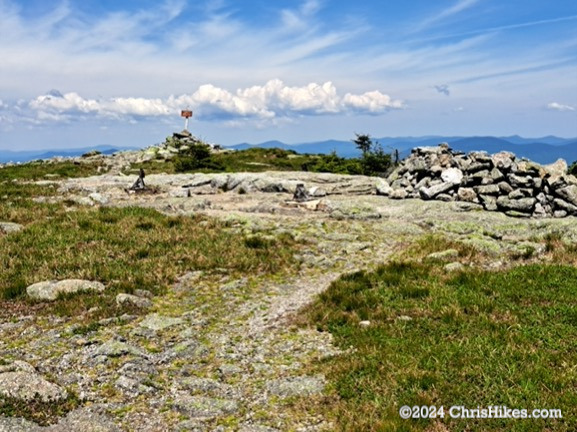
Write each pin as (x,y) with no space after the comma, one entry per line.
(186,113)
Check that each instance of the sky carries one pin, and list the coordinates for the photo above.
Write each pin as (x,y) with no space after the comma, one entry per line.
(81,73)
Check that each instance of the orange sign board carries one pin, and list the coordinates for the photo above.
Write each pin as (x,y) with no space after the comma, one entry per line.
(186,113)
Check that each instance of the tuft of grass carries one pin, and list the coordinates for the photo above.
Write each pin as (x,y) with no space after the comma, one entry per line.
(38,411)
(475,338)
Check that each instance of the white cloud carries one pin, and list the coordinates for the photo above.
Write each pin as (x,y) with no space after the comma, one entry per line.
(274,100)
(373,102)
(554,106)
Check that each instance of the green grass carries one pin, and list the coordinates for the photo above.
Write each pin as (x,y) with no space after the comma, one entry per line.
(476,338)
(127,249)
(43,170)
(254,160)
(38,411)
(17,189)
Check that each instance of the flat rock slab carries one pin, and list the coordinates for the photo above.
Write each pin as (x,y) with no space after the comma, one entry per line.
(114,348)
(50,290)
(83,419)
(204,407)
(158,322)
(10,227)
(297,386)
(26,386)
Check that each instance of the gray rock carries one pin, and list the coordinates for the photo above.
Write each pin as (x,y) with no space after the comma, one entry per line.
(114,348)
(11,424)
(503,160)
(505,187)
(520,193)
(158,322)
(98,198)
(26,386)
(480,156)
(204,407)
(560,213)
(564,205)
(132,386)
(443,255)
(433,191)
(475,167)
(398,194)
(383,187)
(529,168)
(50,290)
(452,175)
(489,202)
(200,385)
(519,181)
(416,165)
(132,300)
(453,267)
(10,227)
(85,420)
(537,182)
(521,205)
(467,194)
(297,386)
(559,167)
(445,197)
(568,193)
(496,175)
(491,189)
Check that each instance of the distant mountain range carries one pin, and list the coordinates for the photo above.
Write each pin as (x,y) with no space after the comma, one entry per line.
(543,150)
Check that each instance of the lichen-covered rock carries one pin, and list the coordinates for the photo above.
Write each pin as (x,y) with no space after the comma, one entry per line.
(297,386)
(158,322)
(124,299)
(27,386)
(50,290)
(204,407)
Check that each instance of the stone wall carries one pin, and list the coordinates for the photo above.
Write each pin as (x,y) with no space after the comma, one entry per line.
(499,182)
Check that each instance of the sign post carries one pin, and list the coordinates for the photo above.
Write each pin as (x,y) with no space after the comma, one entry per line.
(186,114)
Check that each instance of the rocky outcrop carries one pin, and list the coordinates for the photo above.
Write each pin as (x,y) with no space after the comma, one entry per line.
(499,182)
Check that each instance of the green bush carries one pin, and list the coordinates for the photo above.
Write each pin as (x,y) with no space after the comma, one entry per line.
(197,156)
(375,162)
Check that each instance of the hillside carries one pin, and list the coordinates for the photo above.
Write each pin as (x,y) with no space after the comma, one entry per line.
(216,301)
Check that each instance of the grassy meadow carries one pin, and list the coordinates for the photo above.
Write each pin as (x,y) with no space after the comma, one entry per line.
(473,338)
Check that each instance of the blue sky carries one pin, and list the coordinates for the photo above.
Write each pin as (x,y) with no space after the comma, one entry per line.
(80,73)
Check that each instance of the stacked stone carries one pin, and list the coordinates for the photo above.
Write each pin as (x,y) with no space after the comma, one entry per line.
(499,182)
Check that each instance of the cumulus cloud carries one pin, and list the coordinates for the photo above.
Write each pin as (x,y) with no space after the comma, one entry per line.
(444,89)
(273,100)
(554,106)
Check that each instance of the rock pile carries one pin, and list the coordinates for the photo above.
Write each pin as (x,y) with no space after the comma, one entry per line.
(499,182)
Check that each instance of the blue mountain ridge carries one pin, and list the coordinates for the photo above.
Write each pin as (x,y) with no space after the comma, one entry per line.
(542,150)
